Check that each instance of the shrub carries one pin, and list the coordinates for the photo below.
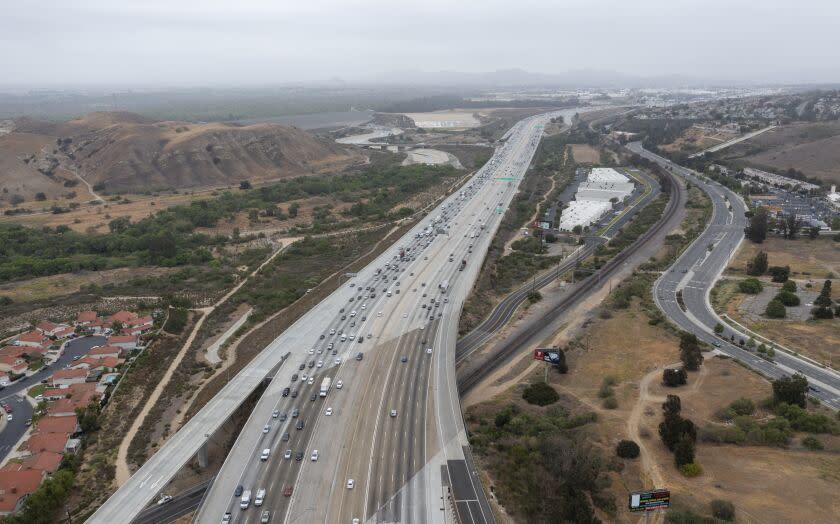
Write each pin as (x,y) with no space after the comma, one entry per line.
(610,403)
(787,298)
(780,273)
(627,449)
(789,286)
(691,470)
(540,394)
(812,443)
(673,377)
(775,309)
(742,406)
(751,286)
(723,510)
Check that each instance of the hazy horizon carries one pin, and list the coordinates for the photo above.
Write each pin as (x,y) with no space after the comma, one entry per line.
(257,42)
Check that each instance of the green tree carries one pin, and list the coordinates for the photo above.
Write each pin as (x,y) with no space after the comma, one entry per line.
(789,286)
(723,510)
(757,228)
(540,393)
(672,377)
(690,353)
(787,298)
(116,327)
(775,309)
(779,273)
(684,450)
(823,303)
(627,449)
(790,390)
(758,265)
(718,328)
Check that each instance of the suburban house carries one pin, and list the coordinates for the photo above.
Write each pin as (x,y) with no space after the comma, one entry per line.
(64,407)
(41,442)
(92,363)
(32,338)
(15,486)
(83,391)
(65,332)
(124,341)
(49,329)
(51,424)
(14,365)
(123,317)
(106,351)
(65,377)
(47,461)
(85,318)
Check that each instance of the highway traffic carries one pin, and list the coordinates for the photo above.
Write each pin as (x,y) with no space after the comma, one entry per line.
(386,441)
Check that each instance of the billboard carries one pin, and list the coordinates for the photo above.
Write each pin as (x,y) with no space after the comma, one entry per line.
(650,500)
(550,355)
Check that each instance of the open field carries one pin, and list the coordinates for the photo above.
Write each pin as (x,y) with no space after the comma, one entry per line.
(585,154)
(54,286)
(812,148)
(808,259)
(697,139)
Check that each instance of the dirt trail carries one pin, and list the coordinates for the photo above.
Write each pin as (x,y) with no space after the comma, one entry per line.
(649,466)
(122,470)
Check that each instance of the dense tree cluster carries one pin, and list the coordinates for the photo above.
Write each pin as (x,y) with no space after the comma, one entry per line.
(757,228)
(758,265)
(673,377)
(679,434)
(791,390)
(690,353)
(822,304)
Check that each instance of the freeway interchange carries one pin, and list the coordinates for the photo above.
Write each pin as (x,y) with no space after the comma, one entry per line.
(697,270)
(394,426)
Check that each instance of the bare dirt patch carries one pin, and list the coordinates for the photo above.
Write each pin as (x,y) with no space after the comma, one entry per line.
(585,154)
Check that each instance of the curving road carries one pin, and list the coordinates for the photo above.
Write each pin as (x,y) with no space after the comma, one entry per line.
(698,268)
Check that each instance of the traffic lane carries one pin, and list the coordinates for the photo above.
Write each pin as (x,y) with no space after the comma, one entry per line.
(15,429)
(181,504)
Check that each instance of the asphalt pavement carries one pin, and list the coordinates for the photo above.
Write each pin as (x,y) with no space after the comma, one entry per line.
(695,273)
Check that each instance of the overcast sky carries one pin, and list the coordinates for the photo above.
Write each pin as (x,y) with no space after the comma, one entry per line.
(254,42)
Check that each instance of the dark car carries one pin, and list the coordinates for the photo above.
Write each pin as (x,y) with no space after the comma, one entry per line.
(299,424)
(359,356)
(302,366)
(311,363)
(285,437)
(294,393)
(294,377)
(295,413)
(404,359)
(313,397)
(286,392)
(299,456)
(238,491)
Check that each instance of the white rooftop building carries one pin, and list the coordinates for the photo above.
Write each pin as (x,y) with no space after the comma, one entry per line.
(593,196)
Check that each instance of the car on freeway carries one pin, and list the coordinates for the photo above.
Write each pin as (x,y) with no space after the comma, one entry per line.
(238,491)
(429,351)
(302,366)
(287,491)
(338,361)
(226,517)
(314,397)
(295,413)
(311,351)
(286,392)
(300,424)
(299,456)
(379,314)
(405,315)
(339,384)
(288,454)
(164,499)
(285,437)
(311,380)
(328,412)
(361,338)
(393,412)
(350,483)
(314,456)
(294,377)
(323,336)
(283,417)
(404,359)
(321,362)
(294,393)
(266,428)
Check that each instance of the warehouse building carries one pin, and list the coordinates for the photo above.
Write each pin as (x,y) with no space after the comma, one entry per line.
(595,197)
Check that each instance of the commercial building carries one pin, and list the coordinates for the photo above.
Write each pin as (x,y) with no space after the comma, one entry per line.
(595,196)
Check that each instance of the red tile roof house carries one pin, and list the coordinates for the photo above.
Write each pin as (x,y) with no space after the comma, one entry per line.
(54,442)
(65,332)
(124,317)
(15,486)
(68,376)
(50,424)
(85,317)
(144,323)
(64,407)
(49,329)
(106,351)
(32,338)
(47,461)
(91,363)
(14,365)
(123,341)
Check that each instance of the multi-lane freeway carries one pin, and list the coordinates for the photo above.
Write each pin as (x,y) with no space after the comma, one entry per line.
(390,439)
(695,273)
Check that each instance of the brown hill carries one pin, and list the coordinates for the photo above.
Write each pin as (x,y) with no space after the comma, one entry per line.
(124,152)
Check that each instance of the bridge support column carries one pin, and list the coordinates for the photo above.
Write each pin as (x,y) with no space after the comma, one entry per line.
(202,457)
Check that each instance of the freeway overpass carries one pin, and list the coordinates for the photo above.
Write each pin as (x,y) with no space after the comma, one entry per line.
(412,466)
(697,270)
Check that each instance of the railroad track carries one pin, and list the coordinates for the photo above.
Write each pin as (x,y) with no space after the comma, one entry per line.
(468,381)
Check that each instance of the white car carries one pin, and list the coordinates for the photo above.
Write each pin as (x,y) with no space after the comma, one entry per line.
(332,331)
(364,307)
(311,380)
(287,454)
(429,351)
(339,385)
(338,361)
(311,351)
(328,412)
(266,428)
(350,483)
(314,455)
(379,314)
(320,364)
(393,412)
(275,414)
(405,315)
(303,376)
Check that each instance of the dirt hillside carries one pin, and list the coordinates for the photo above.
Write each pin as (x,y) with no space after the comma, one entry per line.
(124,152)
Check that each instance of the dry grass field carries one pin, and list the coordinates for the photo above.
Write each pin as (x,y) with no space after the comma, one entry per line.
(585,154)
(54,286)
(807,258)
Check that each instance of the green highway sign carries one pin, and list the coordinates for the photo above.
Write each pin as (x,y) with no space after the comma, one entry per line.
(506,178)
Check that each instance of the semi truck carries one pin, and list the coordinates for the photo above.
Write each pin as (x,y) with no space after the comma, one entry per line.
(325,386)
